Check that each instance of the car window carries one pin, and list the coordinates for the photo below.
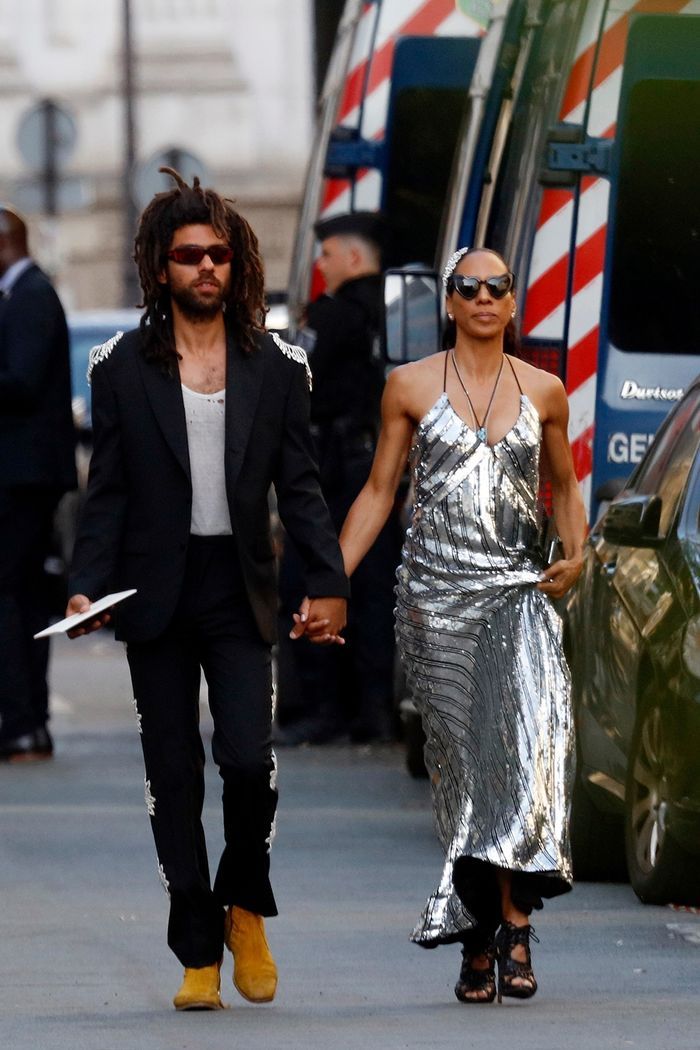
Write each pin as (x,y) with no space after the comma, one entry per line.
(691,512)
(665,470)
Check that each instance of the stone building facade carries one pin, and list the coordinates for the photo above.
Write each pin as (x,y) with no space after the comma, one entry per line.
(228,81)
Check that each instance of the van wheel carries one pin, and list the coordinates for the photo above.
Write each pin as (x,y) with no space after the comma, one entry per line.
(661,871)
(597,840)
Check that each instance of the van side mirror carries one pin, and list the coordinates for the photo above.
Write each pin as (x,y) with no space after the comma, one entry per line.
(633,521)
(411,326)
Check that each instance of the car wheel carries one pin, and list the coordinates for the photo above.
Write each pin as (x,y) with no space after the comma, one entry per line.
(597,840)
(661,871)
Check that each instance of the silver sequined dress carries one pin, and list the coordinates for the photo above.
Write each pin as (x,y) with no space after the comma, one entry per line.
(482,651)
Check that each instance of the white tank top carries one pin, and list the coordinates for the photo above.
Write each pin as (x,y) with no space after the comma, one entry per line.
(205,418)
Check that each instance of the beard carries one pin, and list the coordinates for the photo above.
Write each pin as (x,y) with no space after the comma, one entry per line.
(197,307)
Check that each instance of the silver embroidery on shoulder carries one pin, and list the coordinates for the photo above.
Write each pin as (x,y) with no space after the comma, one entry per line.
(101,352)
(163,879)
(294,353)
(148,798)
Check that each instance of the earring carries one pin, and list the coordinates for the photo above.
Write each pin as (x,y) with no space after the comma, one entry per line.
(450,317)
(512,313)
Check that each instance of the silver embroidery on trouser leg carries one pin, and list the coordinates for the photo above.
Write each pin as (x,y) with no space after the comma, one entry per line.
(138,716)
(163,880)
(273,787)
(148,798)
(482,651)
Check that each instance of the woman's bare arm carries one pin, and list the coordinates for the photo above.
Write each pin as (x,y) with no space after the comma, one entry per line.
(374,502)
(569,511)
(373,505)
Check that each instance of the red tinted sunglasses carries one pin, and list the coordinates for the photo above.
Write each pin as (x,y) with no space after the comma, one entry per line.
(192,254)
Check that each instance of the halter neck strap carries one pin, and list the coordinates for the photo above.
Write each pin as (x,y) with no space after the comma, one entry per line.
(515,374)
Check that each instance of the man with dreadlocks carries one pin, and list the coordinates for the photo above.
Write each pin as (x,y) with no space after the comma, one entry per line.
(195,415)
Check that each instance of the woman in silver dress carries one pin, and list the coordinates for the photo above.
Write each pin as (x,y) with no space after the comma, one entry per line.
(478,634)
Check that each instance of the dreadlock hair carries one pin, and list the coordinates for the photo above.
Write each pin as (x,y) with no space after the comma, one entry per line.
(511,342)
(186,205)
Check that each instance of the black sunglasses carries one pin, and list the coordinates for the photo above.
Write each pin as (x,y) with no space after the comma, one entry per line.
(192,254)
(468,287)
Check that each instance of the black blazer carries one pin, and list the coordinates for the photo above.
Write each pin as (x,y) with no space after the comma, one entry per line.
(136,521)
(37,438)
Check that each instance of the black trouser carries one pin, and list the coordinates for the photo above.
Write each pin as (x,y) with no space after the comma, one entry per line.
(26,516)
(213,630)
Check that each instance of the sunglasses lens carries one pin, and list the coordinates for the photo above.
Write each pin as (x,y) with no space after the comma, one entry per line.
(187,256)
(181,255)
(220,253)
(500,286)
(466,286)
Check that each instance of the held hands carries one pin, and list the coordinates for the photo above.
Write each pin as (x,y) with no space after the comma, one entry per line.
(79,603)
(561,576)
(321,620)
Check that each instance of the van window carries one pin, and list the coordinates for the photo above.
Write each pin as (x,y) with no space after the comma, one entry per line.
(429,95)
(655,272)
(426,125)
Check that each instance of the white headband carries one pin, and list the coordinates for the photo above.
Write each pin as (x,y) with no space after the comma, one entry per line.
(452,264)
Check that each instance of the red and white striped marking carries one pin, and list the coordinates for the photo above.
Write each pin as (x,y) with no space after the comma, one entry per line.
(545,306)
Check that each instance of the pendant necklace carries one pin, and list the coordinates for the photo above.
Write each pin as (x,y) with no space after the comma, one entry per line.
(480,426)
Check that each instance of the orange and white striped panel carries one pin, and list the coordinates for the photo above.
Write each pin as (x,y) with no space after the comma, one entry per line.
(547,280)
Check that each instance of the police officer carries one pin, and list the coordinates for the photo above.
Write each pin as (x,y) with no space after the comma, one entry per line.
(350,687)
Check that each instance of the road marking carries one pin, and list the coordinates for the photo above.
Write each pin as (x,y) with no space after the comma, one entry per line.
(690,932)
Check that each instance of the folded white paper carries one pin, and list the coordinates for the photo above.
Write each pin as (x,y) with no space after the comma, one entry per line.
(77,618)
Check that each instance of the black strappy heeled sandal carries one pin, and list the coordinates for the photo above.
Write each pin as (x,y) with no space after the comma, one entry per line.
(510,970)
(477,986)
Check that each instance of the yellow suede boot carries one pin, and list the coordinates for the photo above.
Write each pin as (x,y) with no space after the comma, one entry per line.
(200,989)
(254,970)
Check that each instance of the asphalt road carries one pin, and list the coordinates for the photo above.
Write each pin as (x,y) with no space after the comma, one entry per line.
(83,959)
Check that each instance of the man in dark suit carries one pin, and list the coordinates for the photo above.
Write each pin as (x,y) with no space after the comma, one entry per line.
(195,415)
(37,465)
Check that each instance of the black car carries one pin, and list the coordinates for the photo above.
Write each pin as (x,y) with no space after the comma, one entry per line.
(633,641)
(88,328)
